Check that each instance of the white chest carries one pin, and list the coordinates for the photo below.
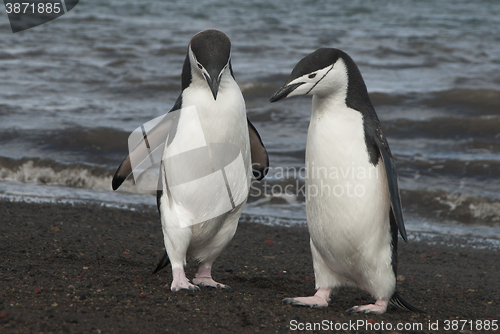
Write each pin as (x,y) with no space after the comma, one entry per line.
(336,142)
(223,120)
(346,194)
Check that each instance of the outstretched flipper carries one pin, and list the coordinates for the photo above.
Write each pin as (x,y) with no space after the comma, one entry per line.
(152,140)
(122,173)
(158,136)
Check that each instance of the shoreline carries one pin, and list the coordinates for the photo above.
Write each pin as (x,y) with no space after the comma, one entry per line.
(81,268)
(448,233)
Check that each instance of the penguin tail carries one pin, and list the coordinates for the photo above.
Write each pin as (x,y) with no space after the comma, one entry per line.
(165,261)
(402,304)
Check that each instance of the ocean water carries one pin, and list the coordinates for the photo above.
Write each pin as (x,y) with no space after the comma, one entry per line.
(72,90)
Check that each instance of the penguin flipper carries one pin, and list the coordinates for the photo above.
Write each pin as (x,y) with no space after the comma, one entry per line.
(403,304)
(260,158)
(392,183)
(155,137)
(121,174)
(164,261)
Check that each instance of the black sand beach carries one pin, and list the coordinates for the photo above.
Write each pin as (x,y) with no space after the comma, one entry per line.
(87,269)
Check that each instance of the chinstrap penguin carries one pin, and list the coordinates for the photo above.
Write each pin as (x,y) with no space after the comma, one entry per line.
(208,84)
(353,234)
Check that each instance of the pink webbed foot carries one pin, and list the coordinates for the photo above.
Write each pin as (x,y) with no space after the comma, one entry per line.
(208,281)
(320,299)
(379,307)
(204,277)
(181,282)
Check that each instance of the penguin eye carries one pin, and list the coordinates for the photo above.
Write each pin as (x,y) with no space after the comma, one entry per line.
(199,66)
(311,76)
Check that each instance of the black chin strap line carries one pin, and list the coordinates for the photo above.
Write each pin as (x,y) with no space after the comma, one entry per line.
(317,82)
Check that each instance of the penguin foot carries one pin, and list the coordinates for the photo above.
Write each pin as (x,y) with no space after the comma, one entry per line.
(208,281)
(312,302)
(177,286)
(191,288)
(320,299)
(379,307)
(180,281)
(204,276)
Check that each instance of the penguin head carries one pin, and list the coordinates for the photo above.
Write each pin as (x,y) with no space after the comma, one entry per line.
(320,73)
(209,55)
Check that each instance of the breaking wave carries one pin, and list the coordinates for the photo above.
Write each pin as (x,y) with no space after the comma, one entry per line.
(51,173)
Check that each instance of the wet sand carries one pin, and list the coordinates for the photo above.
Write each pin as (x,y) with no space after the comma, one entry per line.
(87,269)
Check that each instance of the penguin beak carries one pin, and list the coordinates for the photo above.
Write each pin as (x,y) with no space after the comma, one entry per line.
(284,91)
(214,83)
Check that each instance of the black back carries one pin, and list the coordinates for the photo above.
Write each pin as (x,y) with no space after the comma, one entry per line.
(358,99)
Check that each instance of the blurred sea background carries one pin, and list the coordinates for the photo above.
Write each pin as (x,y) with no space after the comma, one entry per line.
(73,89)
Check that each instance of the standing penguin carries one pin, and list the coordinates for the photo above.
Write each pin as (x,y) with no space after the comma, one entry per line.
(209,86)
(353,204)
